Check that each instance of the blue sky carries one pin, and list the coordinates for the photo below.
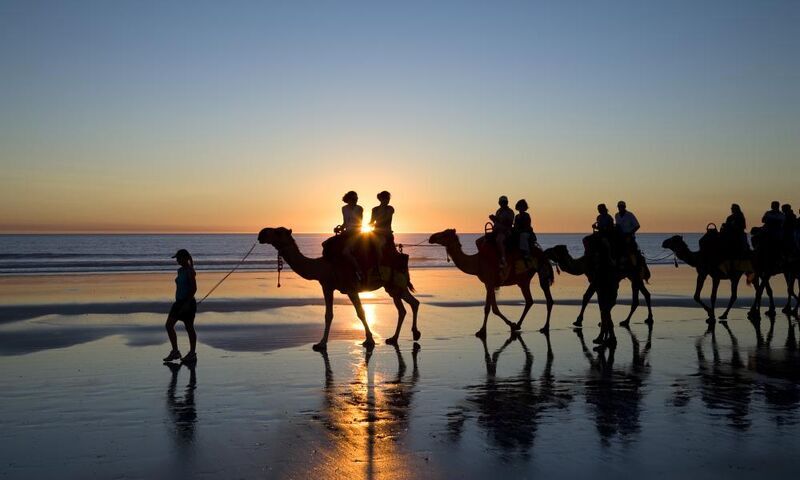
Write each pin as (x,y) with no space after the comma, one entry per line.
(219,116)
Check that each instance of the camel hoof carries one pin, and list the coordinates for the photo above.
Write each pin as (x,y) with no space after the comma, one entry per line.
(319,347)
(625,323)
(481,333)
(722,321)
(514,327)
(417,335)
(369,344)
(391,341)
(724,316)
(649,320)
(753,315)
(577,325)
(545,330)
(711,320)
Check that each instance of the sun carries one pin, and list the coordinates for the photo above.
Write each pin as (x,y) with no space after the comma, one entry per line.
(365,227)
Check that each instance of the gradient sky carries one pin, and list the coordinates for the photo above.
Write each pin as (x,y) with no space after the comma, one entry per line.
(230,116)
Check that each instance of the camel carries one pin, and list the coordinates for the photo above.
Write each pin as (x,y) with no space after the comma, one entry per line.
(338,275)
(768,262)
(487,272)
(707,268)
(636,276)
(603,279)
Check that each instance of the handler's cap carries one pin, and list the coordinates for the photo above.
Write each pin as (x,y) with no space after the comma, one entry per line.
(181,253)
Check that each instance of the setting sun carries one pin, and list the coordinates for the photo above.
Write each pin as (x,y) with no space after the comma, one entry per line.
(366,227)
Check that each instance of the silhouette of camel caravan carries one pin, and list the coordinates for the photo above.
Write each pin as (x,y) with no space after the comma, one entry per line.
(378,265)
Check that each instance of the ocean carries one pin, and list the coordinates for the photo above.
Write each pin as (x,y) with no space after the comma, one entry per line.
(117,253)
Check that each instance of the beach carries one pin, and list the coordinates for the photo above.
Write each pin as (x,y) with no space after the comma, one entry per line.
(86,394)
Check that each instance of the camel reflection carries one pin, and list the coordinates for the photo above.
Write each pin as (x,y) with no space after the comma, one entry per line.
(181,409)
(725,386)
(615,395)
(365,418)
(509,409)
(777,371)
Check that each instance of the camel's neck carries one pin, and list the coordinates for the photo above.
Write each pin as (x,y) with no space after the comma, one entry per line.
(466,263)
(307,268)
(573,266)
(685,255)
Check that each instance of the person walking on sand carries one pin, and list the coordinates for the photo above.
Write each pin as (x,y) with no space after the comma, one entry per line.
(184,308)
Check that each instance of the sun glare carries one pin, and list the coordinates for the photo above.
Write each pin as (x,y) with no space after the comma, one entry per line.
(365,227)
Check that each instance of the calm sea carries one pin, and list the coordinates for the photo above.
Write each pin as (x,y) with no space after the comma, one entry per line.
(36,254)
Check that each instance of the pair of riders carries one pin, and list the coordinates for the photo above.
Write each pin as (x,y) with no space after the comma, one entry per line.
(352,223)
(618,233)
(505,224)
(781,228)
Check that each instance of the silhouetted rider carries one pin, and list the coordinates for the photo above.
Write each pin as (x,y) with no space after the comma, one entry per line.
(352,217)
(523,227)
(503,221)
(627,226)
(381,222)
(734,231)
(773,222)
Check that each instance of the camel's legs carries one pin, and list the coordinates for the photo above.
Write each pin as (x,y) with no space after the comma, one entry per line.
(354,298)
(755,309)
(496,310)
(414,304)
(789,291)
(768,288)
(734,291)
(714,289)
(701,279)
(544,283)
(525,288)
(634,303)
(584,302)
(327,293)
(401,315)
(646,295)
(486,307)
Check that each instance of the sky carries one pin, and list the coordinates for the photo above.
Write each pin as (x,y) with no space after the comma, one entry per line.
(200,116)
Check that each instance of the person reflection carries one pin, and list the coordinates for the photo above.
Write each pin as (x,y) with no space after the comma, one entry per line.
(615,396)
(509,409)
(182,408)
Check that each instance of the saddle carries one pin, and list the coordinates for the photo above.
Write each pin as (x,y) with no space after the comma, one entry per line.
(487,247)
(375,269)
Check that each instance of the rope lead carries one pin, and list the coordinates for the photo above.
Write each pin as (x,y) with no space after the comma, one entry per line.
(280,267)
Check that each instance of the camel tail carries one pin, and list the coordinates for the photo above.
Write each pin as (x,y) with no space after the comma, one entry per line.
(411,287)
(646,274)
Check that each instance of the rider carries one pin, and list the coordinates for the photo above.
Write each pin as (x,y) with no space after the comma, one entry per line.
(352,215)
(734,229)
(627,226)
(381,222)
(605,222)
(524,228)
(773,222)
(789,225)
(503,221)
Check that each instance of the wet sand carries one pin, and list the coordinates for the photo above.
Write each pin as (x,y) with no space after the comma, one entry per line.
(85,393)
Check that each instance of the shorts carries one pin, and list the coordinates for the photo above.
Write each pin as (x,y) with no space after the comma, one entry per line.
(184,310)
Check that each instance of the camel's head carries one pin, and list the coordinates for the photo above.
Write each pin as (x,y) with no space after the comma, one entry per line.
(445,237)
(277,237)
(557,253)
(673,242)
